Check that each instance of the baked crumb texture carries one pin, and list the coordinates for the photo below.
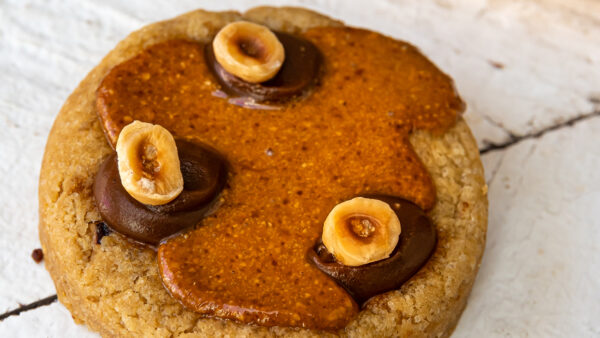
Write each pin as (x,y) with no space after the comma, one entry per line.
(115,287)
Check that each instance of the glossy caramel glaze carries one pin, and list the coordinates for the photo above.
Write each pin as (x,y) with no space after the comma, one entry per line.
(289,167)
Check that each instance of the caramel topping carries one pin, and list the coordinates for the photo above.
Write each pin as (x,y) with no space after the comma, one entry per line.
(290,167)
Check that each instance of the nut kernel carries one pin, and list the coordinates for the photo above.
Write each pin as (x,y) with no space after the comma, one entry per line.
(249,51)
(361,231)
(149,165)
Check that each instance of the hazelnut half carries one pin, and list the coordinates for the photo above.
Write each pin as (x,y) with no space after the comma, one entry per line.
(360,231)
(149,163)
(249,51)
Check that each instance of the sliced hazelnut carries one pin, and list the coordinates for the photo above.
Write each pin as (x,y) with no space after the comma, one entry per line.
(249,51)
(149,163)
(361,231)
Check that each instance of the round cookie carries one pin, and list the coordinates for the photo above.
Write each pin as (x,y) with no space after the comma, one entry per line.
(115,287)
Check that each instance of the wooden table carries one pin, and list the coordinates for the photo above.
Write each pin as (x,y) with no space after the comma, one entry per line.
(528,70)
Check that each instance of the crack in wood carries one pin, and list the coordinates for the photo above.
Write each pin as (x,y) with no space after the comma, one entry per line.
(496,169)
(514,139)
(42,302)
(500,126)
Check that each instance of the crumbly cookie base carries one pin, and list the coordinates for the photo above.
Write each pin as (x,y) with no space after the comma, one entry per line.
(115,288)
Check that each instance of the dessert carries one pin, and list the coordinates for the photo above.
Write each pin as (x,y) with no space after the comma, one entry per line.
(348,115)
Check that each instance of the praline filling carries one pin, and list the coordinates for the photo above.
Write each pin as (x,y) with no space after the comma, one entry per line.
(298,72)
(204,175)
(414,247)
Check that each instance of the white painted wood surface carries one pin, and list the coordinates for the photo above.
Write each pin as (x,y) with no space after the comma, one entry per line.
(524,68)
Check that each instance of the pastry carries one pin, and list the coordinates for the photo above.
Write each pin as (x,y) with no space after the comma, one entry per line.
(332,119)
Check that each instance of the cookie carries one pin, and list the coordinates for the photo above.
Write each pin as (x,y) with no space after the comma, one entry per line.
(116,288)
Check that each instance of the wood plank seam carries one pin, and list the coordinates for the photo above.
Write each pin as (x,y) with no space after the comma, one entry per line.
(514,139)
(42,302)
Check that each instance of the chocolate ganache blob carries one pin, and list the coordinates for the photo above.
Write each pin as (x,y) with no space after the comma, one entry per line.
(415,245)
(204,175)
(298,72)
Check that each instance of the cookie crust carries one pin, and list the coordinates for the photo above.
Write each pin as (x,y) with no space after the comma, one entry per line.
(115,288)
